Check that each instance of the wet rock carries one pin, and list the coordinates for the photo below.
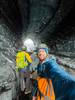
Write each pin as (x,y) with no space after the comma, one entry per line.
(8,75)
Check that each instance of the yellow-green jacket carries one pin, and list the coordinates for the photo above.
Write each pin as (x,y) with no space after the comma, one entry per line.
(23,59)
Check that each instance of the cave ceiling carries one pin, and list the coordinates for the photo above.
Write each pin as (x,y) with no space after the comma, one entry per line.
(44,19)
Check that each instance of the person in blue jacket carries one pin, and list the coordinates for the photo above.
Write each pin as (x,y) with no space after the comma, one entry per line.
(48,90)
(63,82)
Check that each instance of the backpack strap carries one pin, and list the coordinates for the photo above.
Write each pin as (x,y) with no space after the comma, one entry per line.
(28,58)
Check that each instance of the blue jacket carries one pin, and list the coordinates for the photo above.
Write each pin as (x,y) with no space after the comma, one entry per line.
(63,82)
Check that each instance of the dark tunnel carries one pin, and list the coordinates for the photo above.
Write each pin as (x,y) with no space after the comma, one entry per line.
(48,21)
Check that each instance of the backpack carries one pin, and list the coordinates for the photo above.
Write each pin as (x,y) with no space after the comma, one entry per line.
(23,59)
(45,89)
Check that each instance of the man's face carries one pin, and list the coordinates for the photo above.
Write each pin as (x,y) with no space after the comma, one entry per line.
(42,54)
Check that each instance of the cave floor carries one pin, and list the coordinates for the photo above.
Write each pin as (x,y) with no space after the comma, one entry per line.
(22,96)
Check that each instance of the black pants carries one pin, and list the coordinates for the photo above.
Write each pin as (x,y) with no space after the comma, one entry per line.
(25,97)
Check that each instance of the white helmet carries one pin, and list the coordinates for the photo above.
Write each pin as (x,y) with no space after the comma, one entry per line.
(30,45)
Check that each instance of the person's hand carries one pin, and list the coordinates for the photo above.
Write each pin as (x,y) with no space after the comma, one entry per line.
(34,75)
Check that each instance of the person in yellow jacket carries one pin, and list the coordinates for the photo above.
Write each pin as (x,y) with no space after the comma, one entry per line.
(23,61)
(42,85)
